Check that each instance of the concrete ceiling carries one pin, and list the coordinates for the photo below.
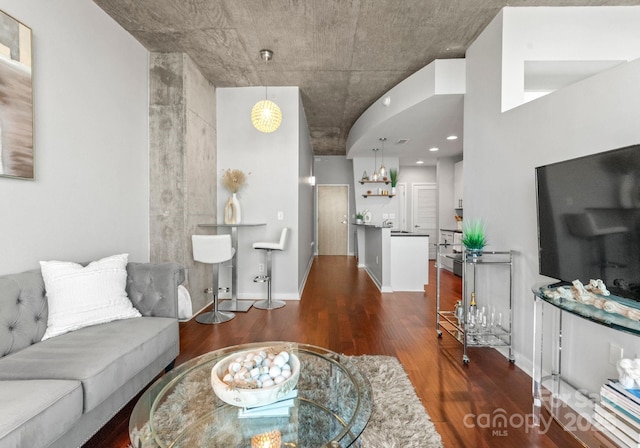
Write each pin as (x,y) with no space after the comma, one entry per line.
(343,54)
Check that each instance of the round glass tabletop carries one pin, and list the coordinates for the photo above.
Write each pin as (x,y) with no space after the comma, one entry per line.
(332,407)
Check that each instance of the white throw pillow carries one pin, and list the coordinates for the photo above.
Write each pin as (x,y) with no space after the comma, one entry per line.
(82,296)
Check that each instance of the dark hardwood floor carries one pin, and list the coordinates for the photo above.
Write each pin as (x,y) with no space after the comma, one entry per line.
(341,309)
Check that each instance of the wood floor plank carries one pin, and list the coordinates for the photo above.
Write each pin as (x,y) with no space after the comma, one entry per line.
(341,309)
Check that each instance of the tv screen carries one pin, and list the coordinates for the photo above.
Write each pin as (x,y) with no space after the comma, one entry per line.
(589,220)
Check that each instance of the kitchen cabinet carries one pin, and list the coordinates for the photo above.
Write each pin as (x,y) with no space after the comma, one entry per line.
(450,244)
(409,261)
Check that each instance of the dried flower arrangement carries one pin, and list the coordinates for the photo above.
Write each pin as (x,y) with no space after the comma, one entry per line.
(233,179)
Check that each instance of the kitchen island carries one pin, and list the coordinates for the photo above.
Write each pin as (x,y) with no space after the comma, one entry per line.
(395,261)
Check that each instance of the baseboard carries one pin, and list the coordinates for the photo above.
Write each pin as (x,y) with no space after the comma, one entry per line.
(303,283)
(375,282)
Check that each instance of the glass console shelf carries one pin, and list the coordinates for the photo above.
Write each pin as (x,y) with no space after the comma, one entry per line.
(571,406)
(589,312)
(488,327)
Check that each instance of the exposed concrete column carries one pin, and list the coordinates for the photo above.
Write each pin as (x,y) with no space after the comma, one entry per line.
(182,154)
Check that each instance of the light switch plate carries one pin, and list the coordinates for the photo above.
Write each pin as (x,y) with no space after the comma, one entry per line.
(280,216)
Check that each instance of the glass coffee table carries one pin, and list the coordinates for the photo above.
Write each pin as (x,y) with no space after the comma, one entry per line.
(332,407)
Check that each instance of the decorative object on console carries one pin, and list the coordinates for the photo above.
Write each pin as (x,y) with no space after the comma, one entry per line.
(474,236)
(233,180)
(629,372)
(81,296)
(359,217)
(266,115)
(16,107)
(594,294)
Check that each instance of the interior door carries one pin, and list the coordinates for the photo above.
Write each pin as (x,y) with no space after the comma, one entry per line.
(424,213)
(333,219)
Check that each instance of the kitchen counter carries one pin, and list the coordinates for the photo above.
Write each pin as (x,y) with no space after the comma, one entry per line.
(395,260)
(404,233)
(409,261)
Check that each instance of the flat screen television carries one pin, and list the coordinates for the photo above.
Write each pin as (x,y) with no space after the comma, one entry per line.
(589,220)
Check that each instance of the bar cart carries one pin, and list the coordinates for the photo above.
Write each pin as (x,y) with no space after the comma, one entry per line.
(489,323)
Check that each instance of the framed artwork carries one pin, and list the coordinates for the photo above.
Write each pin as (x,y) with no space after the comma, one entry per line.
(16,99)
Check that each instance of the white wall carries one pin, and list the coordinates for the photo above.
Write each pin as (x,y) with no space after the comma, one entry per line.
(306,198)
(446,201)
(502,150)
(272,163)
(564,34)
(90,194)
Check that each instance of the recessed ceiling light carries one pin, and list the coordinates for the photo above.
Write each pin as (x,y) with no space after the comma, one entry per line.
(419,162)
(434,149)
(452,137)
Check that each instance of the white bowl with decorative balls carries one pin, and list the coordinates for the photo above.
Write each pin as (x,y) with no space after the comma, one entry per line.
(256,377)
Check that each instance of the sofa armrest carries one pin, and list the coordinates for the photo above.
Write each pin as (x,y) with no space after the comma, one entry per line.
(153,288)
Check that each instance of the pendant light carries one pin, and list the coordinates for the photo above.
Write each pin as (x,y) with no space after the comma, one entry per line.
(374,177)
(383,170)
(265,115)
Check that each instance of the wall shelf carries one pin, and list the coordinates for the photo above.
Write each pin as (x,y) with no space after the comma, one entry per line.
(362,182)
(379,195)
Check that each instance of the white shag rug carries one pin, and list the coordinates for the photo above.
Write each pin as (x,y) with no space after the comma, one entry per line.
(398,419)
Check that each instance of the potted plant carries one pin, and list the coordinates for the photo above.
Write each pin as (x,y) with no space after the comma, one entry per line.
(393,175)
(359,217)
(474,237)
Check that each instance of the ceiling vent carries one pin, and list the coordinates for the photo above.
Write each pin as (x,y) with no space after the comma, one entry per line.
(402,141)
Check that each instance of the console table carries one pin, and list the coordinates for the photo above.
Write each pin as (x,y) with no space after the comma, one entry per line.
(571,406)
(234,304)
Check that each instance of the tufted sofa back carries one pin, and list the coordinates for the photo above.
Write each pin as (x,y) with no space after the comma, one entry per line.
(152,288)
(23,311)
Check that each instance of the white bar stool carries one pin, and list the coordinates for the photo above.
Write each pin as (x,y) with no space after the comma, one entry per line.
(269,247)
(213,249)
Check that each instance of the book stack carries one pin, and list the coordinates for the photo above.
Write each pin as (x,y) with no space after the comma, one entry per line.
(278,409)
(618,414)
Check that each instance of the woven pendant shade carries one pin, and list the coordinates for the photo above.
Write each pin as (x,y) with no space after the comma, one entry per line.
(266,116)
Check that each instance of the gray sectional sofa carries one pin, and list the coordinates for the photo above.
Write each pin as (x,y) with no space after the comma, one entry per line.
(60,391)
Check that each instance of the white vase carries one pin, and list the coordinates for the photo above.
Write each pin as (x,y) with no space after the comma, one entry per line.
(232,212)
